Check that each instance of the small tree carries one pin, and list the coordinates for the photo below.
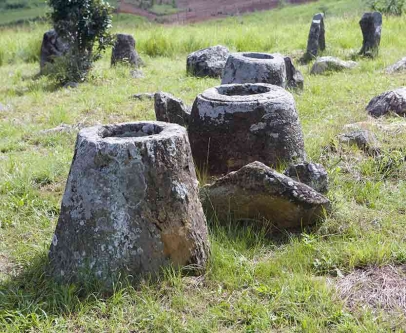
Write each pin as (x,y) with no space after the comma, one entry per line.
(84,26)
(388,7)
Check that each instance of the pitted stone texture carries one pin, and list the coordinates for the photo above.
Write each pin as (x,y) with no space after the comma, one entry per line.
(130,206)
(331,64)
(257,192)
(52,47)
(294,77)
(311,174)
(249,67)
(363,139)
(371,26)
(207,62)
(389,101)
(232,125)
(124,51)
(171,109)
(316,40)
(400,66)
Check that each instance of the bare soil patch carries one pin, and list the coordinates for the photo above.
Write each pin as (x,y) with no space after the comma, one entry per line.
(379,288)
(200,10)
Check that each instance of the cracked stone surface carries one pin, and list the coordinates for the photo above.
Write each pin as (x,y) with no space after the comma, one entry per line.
(251,67)
(311,174)
(124,51)
(130,206)
(171,109)
(331,64)
(294,77)
(207,62)
(262,195)
(389,101)
(233,125)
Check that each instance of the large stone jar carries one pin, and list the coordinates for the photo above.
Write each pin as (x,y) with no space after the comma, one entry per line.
(255,68)
(233,125)
(130,206)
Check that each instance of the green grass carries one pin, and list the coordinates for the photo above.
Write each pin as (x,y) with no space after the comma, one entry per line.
(254,283)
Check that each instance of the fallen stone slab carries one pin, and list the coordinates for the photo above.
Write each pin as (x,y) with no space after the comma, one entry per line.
(143,96)
(236,124)
(363,139)
(331,64)
(131,206)
(257,192)
(171,109)
(124,51)
(252,67)
(207,62)
(400,66)
(316,41)
(389,101)
(371,26)
(311,174)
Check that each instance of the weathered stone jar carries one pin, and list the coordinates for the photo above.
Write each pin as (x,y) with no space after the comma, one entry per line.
(130,206)
(233,125)
(255,68)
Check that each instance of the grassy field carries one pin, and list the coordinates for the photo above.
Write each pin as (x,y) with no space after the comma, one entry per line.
(254,282)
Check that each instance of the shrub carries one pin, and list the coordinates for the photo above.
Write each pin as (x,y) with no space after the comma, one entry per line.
(388,7)
(84,25)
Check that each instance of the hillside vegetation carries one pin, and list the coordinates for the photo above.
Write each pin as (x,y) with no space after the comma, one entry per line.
(254,282)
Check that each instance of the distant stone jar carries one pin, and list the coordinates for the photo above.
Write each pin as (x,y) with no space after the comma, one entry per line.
(317,40)
(233,125)
(51,48)
(250,67)
(124,51)
(130,206)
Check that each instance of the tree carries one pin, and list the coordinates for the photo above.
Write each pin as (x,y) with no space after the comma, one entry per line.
(84,25)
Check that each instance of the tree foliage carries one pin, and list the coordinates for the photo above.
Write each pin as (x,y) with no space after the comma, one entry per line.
(84,25)
(388,7)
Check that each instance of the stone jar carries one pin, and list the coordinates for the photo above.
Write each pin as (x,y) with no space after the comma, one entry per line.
(233,125)
(130,206)
(124,51)
(255,68)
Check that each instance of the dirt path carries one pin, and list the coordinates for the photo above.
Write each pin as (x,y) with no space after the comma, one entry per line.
(200,10)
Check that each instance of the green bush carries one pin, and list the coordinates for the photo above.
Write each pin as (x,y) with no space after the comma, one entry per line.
(84,25)
(388,7)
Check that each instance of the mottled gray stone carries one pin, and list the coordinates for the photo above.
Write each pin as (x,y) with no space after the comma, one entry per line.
(171,109)
(294,77)
(371,26)
(124,51)
(400,66)
(316,40)
(389,101)
(311,174)
(260,194)
(363,139)
(143,96)
(331,64)
(207,62)
(130,206)
(52,47)
(232,125)
(250,67)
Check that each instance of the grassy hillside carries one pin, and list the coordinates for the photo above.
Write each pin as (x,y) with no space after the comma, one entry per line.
(254,283)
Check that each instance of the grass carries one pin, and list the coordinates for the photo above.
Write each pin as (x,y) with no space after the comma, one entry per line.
(254,283)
